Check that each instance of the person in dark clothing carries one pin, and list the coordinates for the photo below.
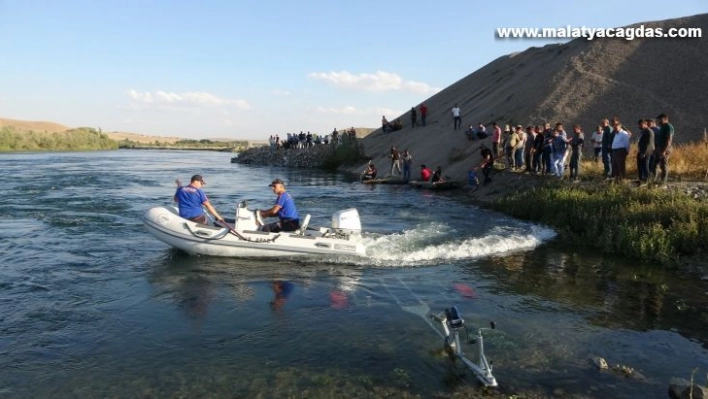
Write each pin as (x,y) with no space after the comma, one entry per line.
(645,149)
(437,176)
(414,117)
(662,143)
(487,163)
(607,138)
(369,173)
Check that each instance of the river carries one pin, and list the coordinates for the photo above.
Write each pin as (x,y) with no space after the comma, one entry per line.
(91,305)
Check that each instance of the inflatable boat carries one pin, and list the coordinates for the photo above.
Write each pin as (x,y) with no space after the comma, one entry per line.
(242,238)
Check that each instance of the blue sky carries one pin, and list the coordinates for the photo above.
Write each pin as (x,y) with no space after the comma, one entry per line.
(248,69)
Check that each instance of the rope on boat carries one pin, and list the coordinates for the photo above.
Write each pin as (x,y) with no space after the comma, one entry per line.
(227,230)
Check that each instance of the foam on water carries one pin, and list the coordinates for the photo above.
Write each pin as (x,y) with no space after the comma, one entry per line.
(413,246)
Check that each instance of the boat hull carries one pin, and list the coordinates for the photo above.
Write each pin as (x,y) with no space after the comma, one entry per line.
(167,226)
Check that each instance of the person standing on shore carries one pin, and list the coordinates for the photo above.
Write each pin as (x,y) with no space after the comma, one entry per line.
(487,163)
(576,145)
(414,118)
(528,148)
(620,149)
(607,138)
(645,150)
(559,147)
(597,143)
(519,149)
(407,163)
(456,116)
(537,151)
(510,148)
(395,160)
(652,160)
(496,140)
(663,147)
(190,200)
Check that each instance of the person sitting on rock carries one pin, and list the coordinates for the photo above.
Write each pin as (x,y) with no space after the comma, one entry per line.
(369,173)
(425,173)
(437,176)
(397,125)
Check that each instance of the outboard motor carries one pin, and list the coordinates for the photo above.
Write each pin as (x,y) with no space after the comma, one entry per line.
(346,222)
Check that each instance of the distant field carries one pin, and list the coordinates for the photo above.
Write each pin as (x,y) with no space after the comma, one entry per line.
(142,138)
(38,126)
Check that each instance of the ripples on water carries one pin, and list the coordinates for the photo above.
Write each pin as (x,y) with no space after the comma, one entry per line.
(92,306)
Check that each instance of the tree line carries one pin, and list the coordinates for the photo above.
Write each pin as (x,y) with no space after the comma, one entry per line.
(79,139)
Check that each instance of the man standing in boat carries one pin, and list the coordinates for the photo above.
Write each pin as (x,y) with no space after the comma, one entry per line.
(284,209)
(190,200)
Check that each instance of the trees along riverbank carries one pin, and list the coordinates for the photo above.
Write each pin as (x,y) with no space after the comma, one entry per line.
(80,139)
(89,139)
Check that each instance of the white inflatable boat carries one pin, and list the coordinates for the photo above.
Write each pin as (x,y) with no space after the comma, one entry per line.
(243,239)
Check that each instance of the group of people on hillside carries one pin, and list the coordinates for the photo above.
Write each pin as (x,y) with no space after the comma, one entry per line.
(401,165)
(422,111)
(545,150)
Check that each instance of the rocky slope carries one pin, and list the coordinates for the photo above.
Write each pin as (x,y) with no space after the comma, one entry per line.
(577,82)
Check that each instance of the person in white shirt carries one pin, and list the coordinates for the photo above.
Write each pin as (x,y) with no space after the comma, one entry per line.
(457,120)
(597,142)
(620,149)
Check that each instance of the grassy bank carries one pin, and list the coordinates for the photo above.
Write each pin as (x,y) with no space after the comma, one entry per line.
(348,152)
(638,222)
(648,224)
(205,144)
(79,139)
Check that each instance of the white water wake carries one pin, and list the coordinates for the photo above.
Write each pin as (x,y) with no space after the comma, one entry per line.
(413,246)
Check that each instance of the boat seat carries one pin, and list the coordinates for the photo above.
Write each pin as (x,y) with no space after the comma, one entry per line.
(303,225)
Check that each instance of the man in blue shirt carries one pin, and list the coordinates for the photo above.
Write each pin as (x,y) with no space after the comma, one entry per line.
(190,200)
(284,209)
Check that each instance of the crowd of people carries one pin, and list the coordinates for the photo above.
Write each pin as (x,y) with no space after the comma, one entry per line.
(305,140)
(401,167)
(550,151)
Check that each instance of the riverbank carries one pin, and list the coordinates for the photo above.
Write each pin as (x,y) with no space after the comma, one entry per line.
(667,226)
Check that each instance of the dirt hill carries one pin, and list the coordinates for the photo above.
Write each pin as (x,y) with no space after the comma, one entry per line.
(577,82)
(39,126)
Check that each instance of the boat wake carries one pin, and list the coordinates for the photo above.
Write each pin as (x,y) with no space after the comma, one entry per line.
(437,242)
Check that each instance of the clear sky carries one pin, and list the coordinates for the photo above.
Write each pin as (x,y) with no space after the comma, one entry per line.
(248,69)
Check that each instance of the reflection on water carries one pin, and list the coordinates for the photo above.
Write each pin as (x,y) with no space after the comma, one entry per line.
(282,291)
(92,306)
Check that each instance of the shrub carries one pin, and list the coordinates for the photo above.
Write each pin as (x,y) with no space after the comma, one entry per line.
(654,225)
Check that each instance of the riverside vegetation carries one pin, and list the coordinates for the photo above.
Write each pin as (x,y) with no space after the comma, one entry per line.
(204,144)
(646,223)
(13,139)
(79,139)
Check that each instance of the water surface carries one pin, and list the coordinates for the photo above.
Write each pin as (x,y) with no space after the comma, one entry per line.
(91,305)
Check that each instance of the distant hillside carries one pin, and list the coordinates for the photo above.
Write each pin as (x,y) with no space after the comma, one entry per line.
(578,82)
(38,126)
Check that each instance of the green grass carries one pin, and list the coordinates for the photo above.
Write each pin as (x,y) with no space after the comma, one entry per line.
(348,152)
(645,224)
(80,139)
